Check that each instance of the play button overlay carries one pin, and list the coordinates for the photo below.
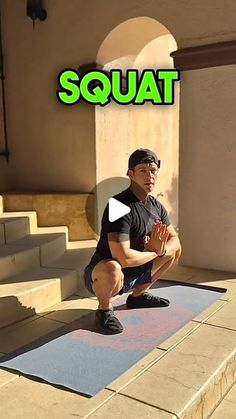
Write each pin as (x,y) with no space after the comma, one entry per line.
(116,209)
(98,199)
(103,196)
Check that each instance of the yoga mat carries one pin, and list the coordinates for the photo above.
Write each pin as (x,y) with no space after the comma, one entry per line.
(79,357)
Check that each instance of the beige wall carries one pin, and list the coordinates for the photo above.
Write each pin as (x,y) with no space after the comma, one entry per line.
(48,141)
(208,168)
(3,161)
(157,127)
(122,129)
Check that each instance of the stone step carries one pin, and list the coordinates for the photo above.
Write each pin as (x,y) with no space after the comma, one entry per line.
(13,228)
(33,226)
(30,281)
(56,272)
(31,215)
(20,255)
(227,407)
(24,295)
(76,257)
(15,259)
(51,245)
(55,209)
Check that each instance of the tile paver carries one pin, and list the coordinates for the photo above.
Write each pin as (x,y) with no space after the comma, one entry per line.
(227,408)
(226,317)
(176,378)
(6,377)
(213,308)
(179,273)
(24,398)
(205,275)
(121,407)
(73,310)
(181,334)
(189,273)
(230,285)
(124,379)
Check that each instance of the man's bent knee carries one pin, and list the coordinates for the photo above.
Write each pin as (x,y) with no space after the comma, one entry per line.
(112,267)
(108,271)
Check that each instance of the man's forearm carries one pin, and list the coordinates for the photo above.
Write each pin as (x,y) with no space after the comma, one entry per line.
(134,258)
(173,244)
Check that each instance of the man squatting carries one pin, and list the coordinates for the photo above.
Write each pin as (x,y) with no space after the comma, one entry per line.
(134,251)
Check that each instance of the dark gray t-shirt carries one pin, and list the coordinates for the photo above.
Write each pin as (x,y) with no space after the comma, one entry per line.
(137,224)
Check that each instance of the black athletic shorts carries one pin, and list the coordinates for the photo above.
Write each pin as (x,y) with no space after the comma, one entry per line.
(133,277)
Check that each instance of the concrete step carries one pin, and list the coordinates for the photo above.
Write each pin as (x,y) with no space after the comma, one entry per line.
(37,271)
(33,226)
(31,215)
(21,254)
(51,245)
(56,209)
(15,259)
(227,407)
(24,295)
(76,257)
(13,228)
(30,280)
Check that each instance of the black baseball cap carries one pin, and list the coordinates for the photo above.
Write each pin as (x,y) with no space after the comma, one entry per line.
(143,155)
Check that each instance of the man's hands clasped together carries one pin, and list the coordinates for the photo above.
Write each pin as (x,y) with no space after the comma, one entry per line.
(157,241)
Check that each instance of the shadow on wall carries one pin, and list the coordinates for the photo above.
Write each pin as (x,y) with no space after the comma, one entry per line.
(170,201)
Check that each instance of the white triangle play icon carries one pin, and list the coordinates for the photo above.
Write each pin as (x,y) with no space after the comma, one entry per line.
(116,209)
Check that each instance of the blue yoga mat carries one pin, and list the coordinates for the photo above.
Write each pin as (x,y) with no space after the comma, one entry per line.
(79,357)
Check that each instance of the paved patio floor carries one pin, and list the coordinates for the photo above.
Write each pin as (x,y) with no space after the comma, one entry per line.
(185,377)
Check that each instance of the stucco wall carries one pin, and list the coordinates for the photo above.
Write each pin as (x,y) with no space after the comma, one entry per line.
(157,127)
(208,168)
(3,161)
(48,141)
(122,129)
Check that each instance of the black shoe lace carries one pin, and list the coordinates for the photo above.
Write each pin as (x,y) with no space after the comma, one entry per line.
(111,313)
(151,297)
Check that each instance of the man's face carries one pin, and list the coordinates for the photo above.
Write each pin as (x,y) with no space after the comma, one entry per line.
(145,175)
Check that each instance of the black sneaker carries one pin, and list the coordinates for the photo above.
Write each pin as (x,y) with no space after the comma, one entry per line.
(108,322)
(145,301)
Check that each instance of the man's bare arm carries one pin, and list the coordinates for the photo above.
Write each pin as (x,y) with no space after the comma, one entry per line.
(173,243)
(119,244)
